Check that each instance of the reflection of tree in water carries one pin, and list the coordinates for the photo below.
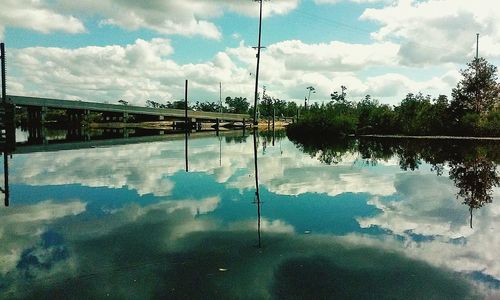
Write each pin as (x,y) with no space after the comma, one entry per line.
(472,164)
(475,179)
(328,151)
(236,139)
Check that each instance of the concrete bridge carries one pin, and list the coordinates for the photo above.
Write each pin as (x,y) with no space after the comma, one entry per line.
(76,111)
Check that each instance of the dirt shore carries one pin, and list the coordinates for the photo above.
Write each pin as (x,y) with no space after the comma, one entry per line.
(168,125)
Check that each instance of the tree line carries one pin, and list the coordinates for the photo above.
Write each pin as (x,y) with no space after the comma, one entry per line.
(267,106)
(474,109)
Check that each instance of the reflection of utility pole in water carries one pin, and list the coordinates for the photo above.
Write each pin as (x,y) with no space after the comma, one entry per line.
(7,130)
(220,151)
(186,125)
(274,133)
(257,193)
(5,189)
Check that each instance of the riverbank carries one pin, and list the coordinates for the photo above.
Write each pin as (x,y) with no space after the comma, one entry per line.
(435,137)
(263,125)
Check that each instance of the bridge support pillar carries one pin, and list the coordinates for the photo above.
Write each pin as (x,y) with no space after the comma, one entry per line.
(113,117)
(77,134)
(75,117)
(8,125)
(193,124)
(36,116)
(37,135)
(43,114)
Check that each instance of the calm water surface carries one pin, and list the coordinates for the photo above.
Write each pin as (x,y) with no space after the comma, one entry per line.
(342,220)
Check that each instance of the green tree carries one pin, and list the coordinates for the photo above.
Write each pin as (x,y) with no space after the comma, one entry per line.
(179,104)
(291,109)
(237,105)
(208,106)
(374,117)
(478,91)
(154,104)
(279,107)
(340,98)
(413,114)
(266,106)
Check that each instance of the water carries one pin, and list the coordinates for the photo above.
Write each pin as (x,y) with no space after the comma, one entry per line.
(337,220)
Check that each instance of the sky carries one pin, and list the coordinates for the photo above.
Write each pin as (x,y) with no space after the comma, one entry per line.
(108,50)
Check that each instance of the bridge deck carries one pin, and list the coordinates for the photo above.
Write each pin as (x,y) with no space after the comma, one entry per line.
(116,108)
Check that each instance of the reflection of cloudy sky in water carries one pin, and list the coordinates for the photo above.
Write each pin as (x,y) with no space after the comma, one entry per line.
(89,196)
(150,253)
(146,168)
(434,225)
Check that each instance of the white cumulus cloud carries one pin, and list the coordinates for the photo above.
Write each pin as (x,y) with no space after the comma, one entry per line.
(438,31)
(36,16)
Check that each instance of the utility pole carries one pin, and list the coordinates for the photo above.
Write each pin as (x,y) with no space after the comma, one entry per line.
(220,97)
(477,45)
(477,105)
(2,57)
(255,122)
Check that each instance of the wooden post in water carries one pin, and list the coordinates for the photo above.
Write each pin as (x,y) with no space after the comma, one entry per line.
(186,127)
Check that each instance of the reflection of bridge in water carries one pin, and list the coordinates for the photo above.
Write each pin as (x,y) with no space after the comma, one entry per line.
(156,136)
(62,145)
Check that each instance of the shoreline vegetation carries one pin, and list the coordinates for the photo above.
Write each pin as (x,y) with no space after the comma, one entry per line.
(473,111)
